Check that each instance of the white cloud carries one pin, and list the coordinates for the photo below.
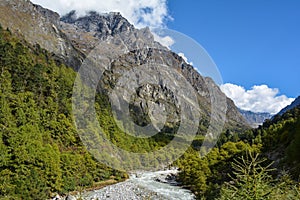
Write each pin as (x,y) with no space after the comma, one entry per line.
(185,58)
(141,13)
(260,98)
(167,41)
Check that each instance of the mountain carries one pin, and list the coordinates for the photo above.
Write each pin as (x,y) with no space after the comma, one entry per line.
(39,26)
(42,151)
(255,119)
(41,55)
(88,31)
(294,104)
(71,39)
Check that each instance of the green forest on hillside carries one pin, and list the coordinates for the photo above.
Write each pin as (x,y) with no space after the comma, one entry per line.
(262,164)
(39,146)
(41,152)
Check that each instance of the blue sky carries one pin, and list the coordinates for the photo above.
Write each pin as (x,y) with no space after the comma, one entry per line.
(254,43)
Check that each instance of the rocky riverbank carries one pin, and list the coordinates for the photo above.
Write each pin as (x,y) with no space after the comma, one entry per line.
(122,191)
(159,185)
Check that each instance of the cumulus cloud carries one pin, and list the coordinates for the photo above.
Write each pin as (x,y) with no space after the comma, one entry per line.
(167,41)
(260,98)
(141,13)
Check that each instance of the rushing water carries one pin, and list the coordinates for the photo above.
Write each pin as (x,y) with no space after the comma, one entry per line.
(142,185)
(169,191)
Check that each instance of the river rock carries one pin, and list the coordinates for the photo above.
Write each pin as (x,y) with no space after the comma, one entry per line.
(141,187)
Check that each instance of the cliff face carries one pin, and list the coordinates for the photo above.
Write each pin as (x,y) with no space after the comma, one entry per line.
(39,26)
(138,48)
(72,39)
(88,31)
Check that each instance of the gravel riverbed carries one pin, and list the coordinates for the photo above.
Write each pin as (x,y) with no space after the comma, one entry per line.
(159,185)
(123,191)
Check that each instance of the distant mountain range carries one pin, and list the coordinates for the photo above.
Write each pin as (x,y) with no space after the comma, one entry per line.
(255,119)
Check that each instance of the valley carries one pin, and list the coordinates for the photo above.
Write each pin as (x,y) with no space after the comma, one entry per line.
(89,101)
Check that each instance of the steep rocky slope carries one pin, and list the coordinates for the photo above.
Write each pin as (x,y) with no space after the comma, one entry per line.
(87,32)
(72,39)
(39,26)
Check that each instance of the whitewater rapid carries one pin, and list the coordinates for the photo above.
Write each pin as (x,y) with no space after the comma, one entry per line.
(143,185)
(149,181)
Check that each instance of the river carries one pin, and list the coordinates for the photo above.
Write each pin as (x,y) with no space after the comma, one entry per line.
(143,185)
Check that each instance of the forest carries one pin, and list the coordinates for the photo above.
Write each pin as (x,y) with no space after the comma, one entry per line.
(40,149)
(261,163)
(41,152)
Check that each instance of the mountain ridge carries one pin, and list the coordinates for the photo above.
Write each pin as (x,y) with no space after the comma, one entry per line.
(71,39)
(40,26)
(77,28)
(42,149)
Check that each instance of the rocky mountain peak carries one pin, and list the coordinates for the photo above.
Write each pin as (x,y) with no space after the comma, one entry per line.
(72,39)
(70,17)
(86,32)
(102,24)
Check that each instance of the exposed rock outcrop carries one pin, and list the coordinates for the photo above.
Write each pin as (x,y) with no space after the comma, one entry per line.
(71,39)
(39,26)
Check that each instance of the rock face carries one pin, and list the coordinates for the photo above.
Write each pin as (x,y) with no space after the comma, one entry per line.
(294,104)
(102,25)
(39,26)
(72,39)
(255,119)
(86,32)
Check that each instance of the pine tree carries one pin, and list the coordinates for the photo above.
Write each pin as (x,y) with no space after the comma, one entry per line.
(250,180)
